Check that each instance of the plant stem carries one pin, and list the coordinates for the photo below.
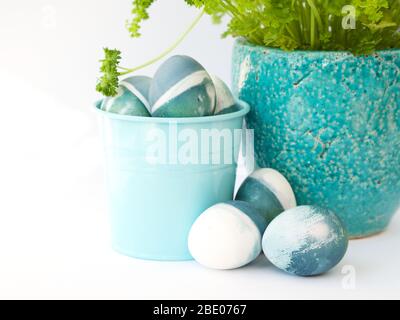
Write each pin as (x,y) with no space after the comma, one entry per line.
(312,30)
(228,5)
(168,50)
(306,22)
(300,24)
(315,12)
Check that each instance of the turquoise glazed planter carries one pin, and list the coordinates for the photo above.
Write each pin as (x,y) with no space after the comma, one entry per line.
(330,122)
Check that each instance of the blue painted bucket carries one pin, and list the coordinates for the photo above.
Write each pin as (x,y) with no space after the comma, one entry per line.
(160,179)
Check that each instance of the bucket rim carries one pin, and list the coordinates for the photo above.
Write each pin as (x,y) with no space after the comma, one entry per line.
(244,110)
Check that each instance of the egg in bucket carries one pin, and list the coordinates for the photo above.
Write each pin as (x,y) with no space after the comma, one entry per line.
(180,88)
(131,98)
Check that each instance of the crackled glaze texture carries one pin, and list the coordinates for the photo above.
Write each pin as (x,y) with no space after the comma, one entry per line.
(330,122)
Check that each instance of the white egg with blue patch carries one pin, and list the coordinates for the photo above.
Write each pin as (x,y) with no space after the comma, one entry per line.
(227,236)
(180,88)
(225,102)
(305,241)
(268,191)
(131,99)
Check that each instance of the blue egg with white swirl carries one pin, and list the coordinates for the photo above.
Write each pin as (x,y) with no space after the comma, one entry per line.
(225,102)
(268,191)
(180,88)
(131,99)
(141,86)
(227,236)
(305,241)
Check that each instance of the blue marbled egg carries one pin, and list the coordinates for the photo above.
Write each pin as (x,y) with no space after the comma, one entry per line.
(305,241)
(180,88)
(227,236)
(131,98)
(141,86)
(225,102)
(268,191)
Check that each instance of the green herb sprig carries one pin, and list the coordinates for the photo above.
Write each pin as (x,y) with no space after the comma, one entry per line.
(109,81)
(110,65)
(285,24)
(302,24)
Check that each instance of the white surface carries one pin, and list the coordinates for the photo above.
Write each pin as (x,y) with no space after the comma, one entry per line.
(54,237)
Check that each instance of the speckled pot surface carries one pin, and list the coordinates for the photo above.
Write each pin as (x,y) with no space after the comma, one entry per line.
(330,122)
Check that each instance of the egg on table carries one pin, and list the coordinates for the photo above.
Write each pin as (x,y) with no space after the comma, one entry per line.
(131,99)
(180,88)
(227,236)
(305,241)
(268,191)
(225,102)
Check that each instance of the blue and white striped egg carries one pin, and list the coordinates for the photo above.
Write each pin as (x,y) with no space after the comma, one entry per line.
(227,236)
(305,241)
(141,86)
(268,191)
(131,99)
(225,102)
(181,87)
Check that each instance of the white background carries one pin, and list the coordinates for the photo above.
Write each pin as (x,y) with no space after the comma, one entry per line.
(54,237)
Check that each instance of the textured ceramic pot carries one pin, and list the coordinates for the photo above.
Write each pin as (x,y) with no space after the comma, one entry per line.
(330,122)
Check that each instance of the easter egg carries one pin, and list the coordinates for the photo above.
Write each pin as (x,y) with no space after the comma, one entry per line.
(225,102)
(131,99)
(305,241)
(180,88)
(232,109)
(227,236)
(141,86)
(268,191)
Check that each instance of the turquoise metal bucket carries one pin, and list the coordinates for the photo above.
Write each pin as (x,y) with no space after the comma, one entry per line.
(330,122)
(160,179)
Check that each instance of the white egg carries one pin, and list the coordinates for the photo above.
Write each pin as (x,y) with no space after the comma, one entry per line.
(227,236)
